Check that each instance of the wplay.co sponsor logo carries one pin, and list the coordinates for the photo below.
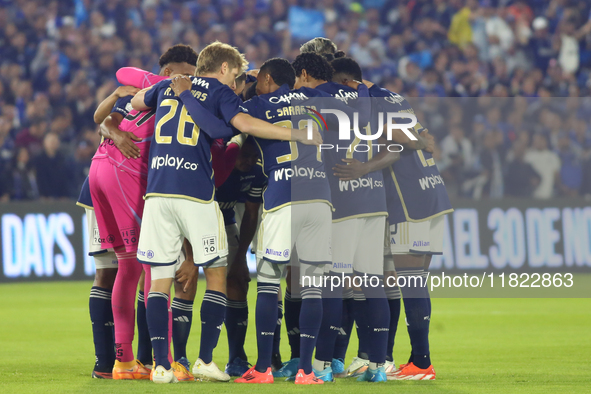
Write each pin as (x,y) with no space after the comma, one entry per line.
(359,183)
(171,161)
(304,172)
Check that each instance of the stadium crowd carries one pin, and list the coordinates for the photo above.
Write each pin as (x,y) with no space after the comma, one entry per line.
(58,61)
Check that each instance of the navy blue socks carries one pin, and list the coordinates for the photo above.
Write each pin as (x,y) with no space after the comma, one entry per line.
(277,336)
(144,346)
(310,320)
(266,321)
(377,313)
(293,306)
(332,307)
(182,317)
(213,311)
(417,308)
(236,326)
(361,324)
(347,320)
(157,316)
(101,316)
(393,295)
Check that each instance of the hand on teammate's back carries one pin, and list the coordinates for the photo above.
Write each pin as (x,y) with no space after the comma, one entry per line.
(301,135)
(123,91)
(123,140)
(354,169)
(429,139)
(180,83)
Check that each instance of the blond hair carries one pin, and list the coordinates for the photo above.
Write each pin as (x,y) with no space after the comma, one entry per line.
(212,57)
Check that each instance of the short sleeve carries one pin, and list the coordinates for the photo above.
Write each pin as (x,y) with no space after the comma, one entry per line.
(151,96)
(228,103)
(122,106)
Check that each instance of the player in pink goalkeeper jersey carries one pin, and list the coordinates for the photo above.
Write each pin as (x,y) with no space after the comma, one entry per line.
(118,184)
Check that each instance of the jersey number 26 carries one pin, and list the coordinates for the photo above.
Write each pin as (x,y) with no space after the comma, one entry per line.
(184,118)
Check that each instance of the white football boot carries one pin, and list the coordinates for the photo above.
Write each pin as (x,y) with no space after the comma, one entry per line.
(357,367)
(209,372)
(162,375)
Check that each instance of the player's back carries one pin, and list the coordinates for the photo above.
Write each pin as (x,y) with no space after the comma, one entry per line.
(414,187)
(359,197)
(296,171)
(180,153)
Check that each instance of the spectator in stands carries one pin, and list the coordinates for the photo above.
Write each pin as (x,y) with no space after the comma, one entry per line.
(57,58)
(571,170)
(32,137)
(521,179)
(54,173)
(21,178)
(547,165)
(541,44)
(492,164)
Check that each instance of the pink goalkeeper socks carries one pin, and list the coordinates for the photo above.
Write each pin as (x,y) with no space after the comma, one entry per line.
(123,303)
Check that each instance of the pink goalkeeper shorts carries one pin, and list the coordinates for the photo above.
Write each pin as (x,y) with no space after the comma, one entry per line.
(117,196)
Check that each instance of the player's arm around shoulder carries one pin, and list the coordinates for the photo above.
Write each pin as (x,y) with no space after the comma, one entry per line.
(104,108)
(261,129)
(148,97)
(138,101)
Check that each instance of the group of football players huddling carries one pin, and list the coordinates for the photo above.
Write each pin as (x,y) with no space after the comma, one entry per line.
(189,160)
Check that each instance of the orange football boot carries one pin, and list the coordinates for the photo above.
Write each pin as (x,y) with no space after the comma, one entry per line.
(131,370)
(412,372)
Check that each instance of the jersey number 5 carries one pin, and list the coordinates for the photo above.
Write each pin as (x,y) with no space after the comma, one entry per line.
(184,118)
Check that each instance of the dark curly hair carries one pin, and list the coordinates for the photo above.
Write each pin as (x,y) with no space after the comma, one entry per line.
(179,53)
(315,65)
(280,70)
(332,56)
(347,67)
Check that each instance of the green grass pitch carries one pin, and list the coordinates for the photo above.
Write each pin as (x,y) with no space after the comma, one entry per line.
(477,345)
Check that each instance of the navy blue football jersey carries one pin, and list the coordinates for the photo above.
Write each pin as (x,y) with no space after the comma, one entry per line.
(295,171)
(239,187)
(85,200)
(360,197)
(414,188)
(180,152)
